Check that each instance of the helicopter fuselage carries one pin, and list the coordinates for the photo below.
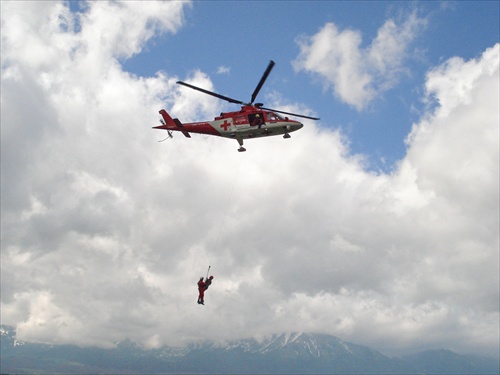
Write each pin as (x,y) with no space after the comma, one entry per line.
(249,122)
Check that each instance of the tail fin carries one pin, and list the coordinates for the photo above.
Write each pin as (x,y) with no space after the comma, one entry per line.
(171,124)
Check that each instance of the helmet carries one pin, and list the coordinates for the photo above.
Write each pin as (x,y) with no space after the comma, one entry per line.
(211,277)
(257,115)
(201,278)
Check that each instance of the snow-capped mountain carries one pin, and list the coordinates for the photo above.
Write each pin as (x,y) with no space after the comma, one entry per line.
(293,353)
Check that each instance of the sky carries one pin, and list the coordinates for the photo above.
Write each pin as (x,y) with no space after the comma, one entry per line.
(377,224)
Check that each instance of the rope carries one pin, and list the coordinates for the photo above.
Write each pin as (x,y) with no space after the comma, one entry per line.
(224,217)
(227,205)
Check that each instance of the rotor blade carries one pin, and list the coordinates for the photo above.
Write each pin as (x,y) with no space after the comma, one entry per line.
(226,98)
(262,80)
(291,114)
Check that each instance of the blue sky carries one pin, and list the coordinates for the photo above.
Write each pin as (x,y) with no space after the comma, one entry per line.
(377,224)
(244,36)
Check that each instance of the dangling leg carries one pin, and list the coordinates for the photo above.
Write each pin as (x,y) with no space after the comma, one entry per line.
(201,296)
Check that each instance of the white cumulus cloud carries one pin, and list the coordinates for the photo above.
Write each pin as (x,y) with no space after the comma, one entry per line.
(358,74)
(105,231)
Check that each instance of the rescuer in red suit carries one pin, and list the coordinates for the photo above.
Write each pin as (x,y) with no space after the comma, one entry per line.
(201,289)
(202,286)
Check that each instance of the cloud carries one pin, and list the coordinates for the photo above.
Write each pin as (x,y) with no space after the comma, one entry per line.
(105,231)
(356,74)
(182,103)
(223,70)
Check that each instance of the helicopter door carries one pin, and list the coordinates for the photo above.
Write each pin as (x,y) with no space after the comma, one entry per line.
(256,119)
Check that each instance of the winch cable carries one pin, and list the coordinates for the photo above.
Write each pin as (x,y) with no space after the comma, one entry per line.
(227,205)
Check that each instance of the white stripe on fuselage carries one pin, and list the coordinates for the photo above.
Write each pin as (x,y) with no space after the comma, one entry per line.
(228,129)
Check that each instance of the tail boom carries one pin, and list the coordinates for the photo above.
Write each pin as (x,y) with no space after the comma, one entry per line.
(192,127)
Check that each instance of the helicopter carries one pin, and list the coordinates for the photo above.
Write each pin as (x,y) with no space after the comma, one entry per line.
(251,121)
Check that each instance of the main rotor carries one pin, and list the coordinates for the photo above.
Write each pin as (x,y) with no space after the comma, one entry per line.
(254,94)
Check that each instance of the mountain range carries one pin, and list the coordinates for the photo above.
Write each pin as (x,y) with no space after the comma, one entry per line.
(296,353)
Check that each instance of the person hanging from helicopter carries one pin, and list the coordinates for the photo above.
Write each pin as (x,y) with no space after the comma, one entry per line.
(202,286)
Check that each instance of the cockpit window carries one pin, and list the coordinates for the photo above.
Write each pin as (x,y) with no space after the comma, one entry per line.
(274,117)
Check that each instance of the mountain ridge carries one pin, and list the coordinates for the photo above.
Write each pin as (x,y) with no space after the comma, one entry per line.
(291,353)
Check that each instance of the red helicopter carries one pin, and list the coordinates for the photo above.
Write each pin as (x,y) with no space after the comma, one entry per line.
(252,121)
